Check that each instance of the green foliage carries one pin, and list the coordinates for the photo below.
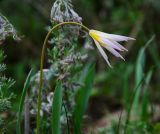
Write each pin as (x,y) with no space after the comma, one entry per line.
(145,100)
(140,110)
(83,97)
(21,105)
(140,68)
(5,95)
(56,109)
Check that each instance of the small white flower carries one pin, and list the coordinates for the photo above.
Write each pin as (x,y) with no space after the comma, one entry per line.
(110,42)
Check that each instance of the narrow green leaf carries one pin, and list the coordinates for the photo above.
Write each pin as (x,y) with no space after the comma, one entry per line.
(139,81)
(140,65)
(154,53)
(56,109)
(139,76)
(126,86)
(83,97)
(21,105)
(130,107)
(145,101)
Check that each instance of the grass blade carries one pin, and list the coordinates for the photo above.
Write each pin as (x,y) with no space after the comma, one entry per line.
(129,110)
(140,72)
(56,109)
(145,101)
(83,97)
(21,105)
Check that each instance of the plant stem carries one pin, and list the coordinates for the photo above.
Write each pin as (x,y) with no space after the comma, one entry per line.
(41,68)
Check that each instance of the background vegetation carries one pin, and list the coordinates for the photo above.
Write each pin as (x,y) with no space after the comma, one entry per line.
(123,98)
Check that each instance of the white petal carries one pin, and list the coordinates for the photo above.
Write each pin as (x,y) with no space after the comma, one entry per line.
(114,52)
(105,42)
(113,36)
(119,45)
(102,52)
(119,37)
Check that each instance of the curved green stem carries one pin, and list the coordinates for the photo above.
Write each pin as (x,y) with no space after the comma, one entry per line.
(41,68)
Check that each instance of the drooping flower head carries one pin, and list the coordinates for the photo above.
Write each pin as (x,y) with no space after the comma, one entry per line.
(110,42)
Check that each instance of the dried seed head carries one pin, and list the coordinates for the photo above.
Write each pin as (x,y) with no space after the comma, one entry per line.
(62,10)
(7,29)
